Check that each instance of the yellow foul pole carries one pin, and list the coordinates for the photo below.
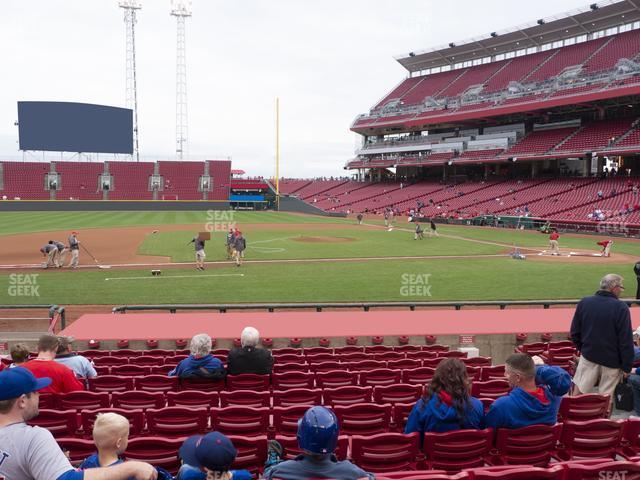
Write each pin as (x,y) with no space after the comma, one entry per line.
(277,153)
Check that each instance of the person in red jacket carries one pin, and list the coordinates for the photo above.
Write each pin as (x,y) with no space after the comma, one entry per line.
(606,247)
(63,380)
(553,242)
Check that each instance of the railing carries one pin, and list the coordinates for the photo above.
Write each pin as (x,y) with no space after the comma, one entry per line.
(365,306)
(55,314)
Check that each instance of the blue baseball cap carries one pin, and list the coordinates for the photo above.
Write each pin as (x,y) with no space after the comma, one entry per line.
(18,381)
(213,451)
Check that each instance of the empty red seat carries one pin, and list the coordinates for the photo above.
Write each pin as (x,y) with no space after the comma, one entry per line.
(457,450)
(176,421)
(292,449)
(246,421)
(193,398)
(336,378)
(630,441)
(363,418)
(326,366)
(421,376)
(492,373)
(290,367)
(316,350)
(83,400)
(148,360)
(135,417)
(398,393)
(159,451)
(201,384)
(138,399)
(321,357)
(110,361)
(589,406)
(61,423)
(477,361)
(518,473)
(287,380)
(531,445)
(366,365)
(609,470)
(490,389)
(590,439)
(125,352)
(156,383)
(404,364)
(421,355)
(380,376)
(347,395)
(77,449)
(245,398)
(285,419)
(287,358)
(48,401)
(248,381)
(386,452)
(277,352)
(130,370)
(401,413)
(297,396)
(251,453)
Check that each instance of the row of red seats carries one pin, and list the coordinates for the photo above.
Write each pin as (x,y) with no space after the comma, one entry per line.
(535,446)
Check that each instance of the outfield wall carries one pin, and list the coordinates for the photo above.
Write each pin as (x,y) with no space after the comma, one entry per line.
(111,205)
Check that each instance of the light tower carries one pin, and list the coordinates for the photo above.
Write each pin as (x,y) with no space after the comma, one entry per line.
(181,9)
(131,93)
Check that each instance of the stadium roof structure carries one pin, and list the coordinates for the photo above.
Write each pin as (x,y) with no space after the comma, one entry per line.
(587,20)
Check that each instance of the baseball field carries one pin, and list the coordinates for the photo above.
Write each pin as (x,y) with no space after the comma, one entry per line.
(292,258)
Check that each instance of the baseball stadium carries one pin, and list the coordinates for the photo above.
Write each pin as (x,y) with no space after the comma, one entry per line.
(492,188)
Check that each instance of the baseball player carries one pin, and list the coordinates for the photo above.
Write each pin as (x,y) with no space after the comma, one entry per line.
(49,251)
(386,217)
(434,231)
(553,242)
(239,246)
(359,217)
(200,255)
(606,247)
(419,233)
(74,246)
(61,254)
(231,237)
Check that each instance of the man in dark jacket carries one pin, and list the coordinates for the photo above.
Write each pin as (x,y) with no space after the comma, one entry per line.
(249,359)
(601,330)
(636,269)
(239,246)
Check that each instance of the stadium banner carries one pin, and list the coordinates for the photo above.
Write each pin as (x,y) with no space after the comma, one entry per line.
(246,198)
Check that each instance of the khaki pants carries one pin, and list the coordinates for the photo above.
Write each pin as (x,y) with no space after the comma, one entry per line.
(75,256)
(589,373)
(62,256)
(554,247)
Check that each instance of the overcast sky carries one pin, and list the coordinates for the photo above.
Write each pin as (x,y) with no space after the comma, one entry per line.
(328,61)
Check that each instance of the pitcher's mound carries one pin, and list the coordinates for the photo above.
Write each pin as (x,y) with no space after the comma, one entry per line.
(324,239)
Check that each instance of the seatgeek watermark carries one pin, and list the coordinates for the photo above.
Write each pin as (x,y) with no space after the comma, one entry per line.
(23,285)
(415,285)
(612,475)
(220,221)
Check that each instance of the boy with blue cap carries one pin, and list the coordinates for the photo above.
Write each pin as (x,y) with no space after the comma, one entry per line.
(209,457)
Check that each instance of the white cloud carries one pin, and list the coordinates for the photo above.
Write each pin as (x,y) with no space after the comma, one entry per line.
(327,61)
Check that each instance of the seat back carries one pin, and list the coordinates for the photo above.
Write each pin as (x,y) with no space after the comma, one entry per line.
(579,408)
(248,381)
(398,393)
(457,450)
(176,421)
(385,452)
(193,398)
(609,470)
(159,451)
(531,445)
(130,370)
(363,418)
(156,383)
(77,449)
(245,421)
(490,389)
(245,398)
(348,395)
(421,376)
(297,396)
(285,419)
(287,380)
(518,473)
(135,417)
(251,453)
(110,383)
(590,439)
(380,376)
(202,385)
(336,378)
(630,441)
(138,399)
(61,423)
(83,400)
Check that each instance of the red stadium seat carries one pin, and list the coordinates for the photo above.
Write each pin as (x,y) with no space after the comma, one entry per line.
(366,365)
(490,389)
(277,352)
(138,399)
(297,396)
(252,453)
(48,401)
(398,393)
(432,362)
(285,419)
(162,369)
(423,475)
(457,450)
(518,473)
(530,445)
(363,418)
(102,371)
(156,383)
(535,348)
(77,449)
(287,380)
(404,364)
(348,349)
(193,398)
(401,413)
(435,348)
(477,361)
(380,377)
(347,395)
(579,408)
(201,384)
(124,352)
(317,350)
(148,360)
(386,452)
(336,378)
(421,376)
(130,370)
(246,421)
(591,439)
(159,451)
(176,421)
(492,373)
(248,381)
(83,400)
(291,367)
(61,423)
(407,348)
(630,442)
(321,357)
(110,361)
(422,355)
(292,449)
(135,417)
(609,470)
(389,356)
(378,348)
(326,366)
(245,398)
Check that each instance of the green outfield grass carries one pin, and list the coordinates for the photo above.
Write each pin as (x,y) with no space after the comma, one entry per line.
(489,278)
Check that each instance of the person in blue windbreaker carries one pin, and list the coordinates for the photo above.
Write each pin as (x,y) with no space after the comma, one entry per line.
(536,395)
(446,404)
(200,363)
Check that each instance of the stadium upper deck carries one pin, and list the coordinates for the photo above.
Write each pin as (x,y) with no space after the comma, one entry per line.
(503,94)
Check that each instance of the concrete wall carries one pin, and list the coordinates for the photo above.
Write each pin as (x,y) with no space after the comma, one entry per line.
(111,205)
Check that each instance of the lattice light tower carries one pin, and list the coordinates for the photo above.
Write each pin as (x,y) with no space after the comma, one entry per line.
(131,90)
(181,9)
